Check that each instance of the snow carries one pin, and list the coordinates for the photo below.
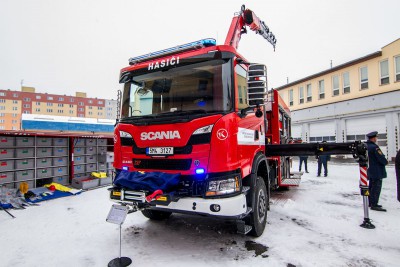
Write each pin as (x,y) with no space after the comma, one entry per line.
(315,224)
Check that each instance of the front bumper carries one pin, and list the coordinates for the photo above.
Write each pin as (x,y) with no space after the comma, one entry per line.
(234,207)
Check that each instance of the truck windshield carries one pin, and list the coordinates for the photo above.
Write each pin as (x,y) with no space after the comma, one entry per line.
(197,88)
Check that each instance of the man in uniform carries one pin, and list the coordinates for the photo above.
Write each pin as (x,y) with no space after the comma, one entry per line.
(376,170)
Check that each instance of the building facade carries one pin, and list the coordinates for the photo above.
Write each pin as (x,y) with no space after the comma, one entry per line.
(15,103)
(345,102)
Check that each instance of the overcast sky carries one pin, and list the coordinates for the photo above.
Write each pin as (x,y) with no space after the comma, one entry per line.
(62,47)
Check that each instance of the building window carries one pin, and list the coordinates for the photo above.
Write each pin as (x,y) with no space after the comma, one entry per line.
(80,115)
(90,101)
(100,108)
(38,103)
(100,113)
(80,109)
(346,82)
(71,106)
(384,68)
(61,99)
(71,112)
(2,94)
(71,99)
(49,98)
(26,112)
(90,113)
(26,106)
(301,95)
(364,78)
(1,127)
(49,110)
(27,99)
(2,107)
(2,101)
(291,97)
(397,68)
(15,95)
(37,110)
(49,104)
(15,108)
(13,121)
(80,103)
(309,92)
(321,89)
(15,102)
(2,114)
(1,121)
(14,115)
(90,107)
(13,128)
(38,97)
(100,102)
(61,105)
(60,111)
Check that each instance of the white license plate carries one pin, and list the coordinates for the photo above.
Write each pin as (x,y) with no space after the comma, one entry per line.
(169,150)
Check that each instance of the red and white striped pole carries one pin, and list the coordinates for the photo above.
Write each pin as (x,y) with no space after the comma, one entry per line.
(365,193)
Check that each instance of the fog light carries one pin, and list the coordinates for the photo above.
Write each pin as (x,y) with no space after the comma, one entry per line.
(215,208)
(125,168)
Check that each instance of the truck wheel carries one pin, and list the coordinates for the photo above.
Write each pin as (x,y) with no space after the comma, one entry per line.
(258,217)
(156,214)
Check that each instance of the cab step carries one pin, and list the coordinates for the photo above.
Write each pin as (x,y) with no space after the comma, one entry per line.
(242,228)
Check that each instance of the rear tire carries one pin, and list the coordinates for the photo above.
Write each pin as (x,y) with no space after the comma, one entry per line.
(258,217)
(156,214)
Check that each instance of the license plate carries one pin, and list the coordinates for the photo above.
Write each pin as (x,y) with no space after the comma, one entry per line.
(116,193)
(160,150)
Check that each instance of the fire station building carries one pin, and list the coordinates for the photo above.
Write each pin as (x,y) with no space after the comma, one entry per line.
(344,103)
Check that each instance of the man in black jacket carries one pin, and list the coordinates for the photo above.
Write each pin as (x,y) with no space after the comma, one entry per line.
(397,167)
(376,170)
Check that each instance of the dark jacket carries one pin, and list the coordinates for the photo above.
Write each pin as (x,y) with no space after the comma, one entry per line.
(377,162)
(324,158)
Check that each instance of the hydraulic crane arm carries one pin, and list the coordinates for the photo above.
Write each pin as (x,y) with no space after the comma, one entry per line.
(244,18)
(358,149)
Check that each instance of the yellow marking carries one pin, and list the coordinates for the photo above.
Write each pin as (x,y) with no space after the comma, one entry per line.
(116,193)
(162,199)
(366,193)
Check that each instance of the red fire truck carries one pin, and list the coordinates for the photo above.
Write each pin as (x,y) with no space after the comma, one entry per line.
(203,112)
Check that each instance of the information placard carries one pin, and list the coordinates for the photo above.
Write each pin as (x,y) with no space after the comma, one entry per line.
(117,214)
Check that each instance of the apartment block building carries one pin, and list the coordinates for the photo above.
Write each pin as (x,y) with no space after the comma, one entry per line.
(15,103)
(345,102)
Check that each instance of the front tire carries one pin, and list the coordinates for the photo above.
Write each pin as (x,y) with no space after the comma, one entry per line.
(258,217)
(156,214)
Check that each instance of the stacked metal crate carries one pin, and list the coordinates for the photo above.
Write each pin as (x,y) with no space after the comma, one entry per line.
(34,160)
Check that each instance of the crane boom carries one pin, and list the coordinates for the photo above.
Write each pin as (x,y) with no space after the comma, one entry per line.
(244,18)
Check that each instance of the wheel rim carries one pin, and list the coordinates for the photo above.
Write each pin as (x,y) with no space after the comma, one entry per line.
(262,208)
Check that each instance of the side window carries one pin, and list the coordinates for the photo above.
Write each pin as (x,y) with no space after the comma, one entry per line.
(241,80)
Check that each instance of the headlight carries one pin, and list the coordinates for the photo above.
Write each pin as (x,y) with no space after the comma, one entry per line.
(203,130)
(124,134)
(223,186)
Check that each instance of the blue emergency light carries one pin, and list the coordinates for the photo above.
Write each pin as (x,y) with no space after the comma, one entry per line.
(200,171)
(180,48)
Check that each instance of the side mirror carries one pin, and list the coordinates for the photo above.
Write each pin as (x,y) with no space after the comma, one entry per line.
(257,93)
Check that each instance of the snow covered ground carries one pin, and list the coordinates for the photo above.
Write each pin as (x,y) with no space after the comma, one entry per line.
(316,224)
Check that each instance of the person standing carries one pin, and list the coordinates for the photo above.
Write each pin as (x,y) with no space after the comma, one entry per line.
(397,167)
(303,159)
(323,161)
(376,170)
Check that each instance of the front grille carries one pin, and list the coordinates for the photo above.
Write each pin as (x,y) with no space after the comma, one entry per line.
(162,164)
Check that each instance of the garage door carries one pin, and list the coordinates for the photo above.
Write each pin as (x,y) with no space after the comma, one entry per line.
(356,129)
(296,131)
(322,131)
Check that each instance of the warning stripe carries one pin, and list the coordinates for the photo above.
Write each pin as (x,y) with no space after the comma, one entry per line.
(363,176)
